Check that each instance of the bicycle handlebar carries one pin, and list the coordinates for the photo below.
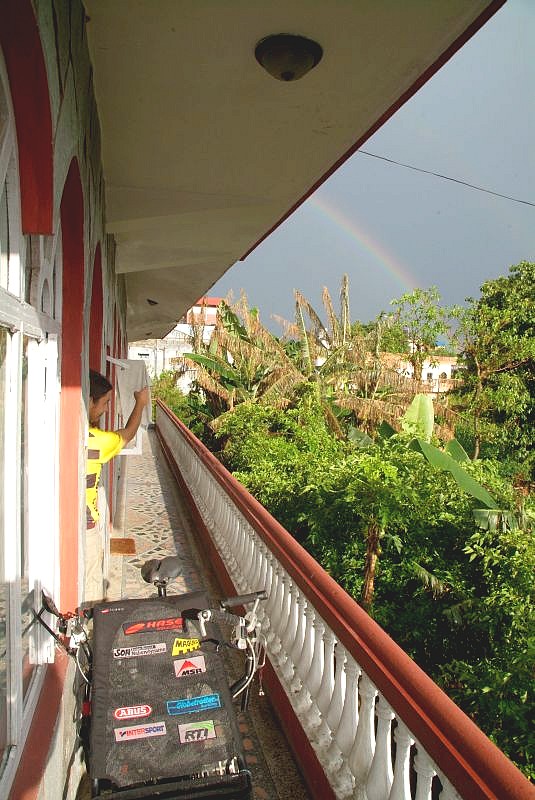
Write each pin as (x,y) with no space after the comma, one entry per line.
(243,599)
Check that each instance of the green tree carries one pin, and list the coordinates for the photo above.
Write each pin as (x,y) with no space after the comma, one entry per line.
(497,336)
(424,321)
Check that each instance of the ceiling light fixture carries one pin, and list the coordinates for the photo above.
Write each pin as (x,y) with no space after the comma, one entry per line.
(288,57)
(152,302)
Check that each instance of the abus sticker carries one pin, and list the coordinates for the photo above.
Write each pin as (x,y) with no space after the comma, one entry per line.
(140,732)
(133,712)
(140,650)
(189,666)
(183,646)
(196,731)
(190,704)
(148,625)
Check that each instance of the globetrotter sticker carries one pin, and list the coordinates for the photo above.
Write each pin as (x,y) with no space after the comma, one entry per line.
(148,625)
(133,712)
(140,732)
(189,666)
(196,731)
(190,704)
(183,646)
(139,650)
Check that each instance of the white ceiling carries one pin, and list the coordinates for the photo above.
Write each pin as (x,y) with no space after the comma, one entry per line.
(204,151)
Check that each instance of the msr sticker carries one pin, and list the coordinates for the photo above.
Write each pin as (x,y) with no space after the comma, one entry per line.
(140,732)
(133,712)
(188,705)
(196,731)
(183,646)
(148,625)
(139,650)
(190,666)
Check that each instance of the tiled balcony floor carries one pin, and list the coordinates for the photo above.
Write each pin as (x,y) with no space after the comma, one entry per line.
(156,517)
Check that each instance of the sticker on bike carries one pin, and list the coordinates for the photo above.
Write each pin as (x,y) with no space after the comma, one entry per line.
(149,625)
(188,705)
(196,731)
(183,646)
(133,712)
(140,732)
(139,650)
(194,665)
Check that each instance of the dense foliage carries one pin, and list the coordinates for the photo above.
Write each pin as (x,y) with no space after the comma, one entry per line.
(456,597)
(497,395)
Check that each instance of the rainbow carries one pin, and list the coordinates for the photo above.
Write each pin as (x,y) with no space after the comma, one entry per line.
(379,253)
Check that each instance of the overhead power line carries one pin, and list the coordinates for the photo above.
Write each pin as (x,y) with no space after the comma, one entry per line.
(446,178)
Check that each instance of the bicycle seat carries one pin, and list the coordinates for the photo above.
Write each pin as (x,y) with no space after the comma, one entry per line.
(163,569)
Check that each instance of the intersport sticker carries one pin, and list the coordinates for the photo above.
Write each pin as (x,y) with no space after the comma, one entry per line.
(140,732)
(133,712)
(148,625)
(196,731)
(183,646)
(188,705)
(189,666)
(139,650)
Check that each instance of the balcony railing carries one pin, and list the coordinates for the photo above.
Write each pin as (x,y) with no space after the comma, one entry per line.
(364,720)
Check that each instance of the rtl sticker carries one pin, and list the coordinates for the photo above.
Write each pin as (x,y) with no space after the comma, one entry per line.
(196,731)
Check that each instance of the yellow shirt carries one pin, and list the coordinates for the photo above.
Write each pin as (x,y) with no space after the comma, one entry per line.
(101,447)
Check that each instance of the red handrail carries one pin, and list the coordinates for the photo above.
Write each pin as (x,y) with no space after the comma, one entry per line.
(471,762)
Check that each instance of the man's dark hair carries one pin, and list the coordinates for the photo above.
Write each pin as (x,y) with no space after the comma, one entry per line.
(98,385)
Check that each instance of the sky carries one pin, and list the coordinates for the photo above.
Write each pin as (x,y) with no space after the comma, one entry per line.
(392,229)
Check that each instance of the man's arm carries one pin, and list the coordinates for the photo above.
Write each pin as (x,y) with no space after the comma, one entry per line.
(130,429)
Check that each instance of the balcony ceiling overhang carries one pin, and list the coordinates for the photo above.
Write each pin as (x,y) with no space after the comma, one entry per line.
(204,152)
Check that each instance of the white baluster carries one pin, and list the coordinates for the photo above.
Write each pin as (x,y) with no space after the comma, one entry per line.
(257,561)
(401,788)
(380,777)
(334,712)
(302,697)
(425,772)
(279,616)
(247,565)
(334,756)
(288,636)
(344,736)
(323,735)
(299,639)
(312,718)
(271,604)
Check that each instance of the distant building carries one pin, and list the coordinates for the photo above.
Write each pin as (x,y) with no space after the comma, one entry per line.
(168,353)
(438,372)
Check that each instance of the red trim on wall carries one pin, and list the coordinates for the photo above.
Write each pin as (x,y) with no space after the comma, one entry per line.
(36,748)
(473,764)
(96,315)
(472,29)
(72,233)
(21,43)
(312,772)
